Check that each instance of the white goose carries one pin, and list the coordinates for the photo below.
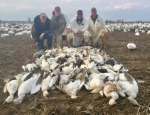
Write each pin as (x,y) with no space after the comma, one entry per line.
(38,54)
(64,79)
(95,83)
(53,80)
(45,66)
(4,35)
(110,89)
(129,86)
(38,61)
(71,89)
(30,86)
(13,85)
(30,67)
(68,69)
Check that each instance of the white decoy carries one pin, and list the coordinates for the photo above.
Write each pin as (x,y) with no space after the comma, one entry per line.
(10,32)
(131,46)
(19,34)
(148,33)
(29,86)
(4,35)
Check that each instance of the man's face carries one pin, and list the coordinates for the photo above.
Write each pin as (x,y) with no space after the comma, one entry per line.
(93,13)
(57,12)
(79,15)
(43,19)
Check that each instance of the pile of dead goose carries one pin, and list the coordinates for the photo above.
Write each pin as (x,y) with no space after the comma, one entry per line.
(70,69)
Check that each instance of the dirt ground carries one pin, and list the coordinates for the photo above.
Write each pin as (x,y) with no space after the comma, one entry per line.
(16,51)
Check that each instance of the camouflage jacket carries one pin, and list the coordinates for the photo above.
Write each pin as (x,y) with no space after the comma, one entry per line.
(36,28)
(59,24)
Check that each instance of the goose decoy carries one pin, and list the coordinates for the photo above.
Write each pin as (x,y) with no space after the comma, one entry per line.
(131,46)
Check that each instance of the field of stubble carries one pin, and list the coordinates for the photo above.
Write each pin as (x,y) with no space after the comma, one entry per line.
(16,51)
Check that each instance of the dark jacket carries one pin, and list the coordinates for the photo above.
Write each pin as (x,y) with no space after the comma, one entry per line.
(36,28)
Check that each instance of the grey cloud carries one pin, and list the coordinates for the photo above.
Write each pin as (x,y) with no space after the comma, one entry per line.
(22,9)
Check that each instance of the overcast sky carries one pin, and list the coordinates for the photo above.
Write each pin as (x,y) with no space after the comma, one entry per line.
(128,10)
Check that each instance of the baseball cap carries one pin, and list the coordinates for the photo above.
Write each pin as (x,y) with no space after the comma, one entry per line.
(93,9)
(79,12)
(57,8)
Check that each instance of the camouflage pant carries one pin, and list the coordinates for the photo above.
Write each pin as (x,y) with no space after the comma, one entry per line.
(57,42)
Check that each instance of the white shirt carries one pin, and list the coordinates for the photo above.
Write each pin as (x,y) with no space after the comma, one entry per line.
(75,26)
(95,28)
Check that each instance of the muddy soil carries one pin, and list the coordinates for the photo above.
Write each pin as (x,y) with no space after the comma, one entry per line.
(16,51)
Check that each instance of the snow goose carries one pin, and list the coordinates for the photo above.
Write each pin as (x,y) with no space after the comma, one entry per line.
(130,87)
(45,66)
(4,35)
(110,89)
(71,88)
(95,83)
(10,32)
(45,85)
(38,54)
(148,33)
(68,69)
(30,67)
(13,84)
(19,34)
(31,86)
